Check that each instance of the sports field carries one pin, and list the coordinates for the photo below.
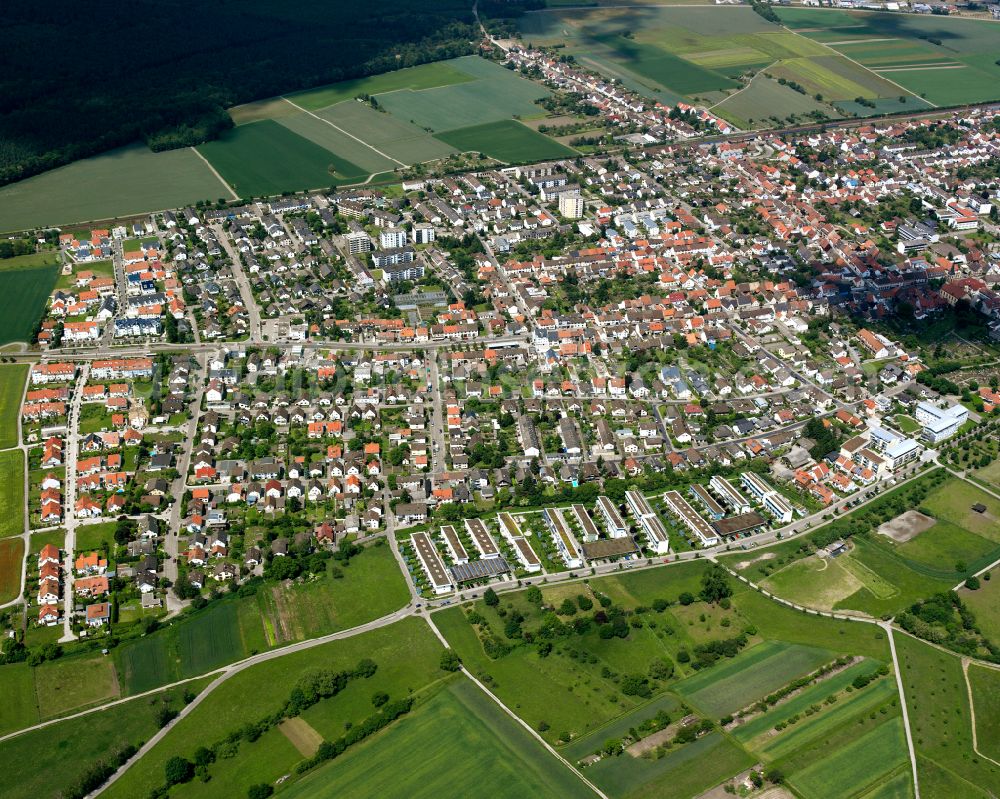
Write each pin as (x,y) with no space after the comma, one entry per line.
(11,561)
(754,673)
(265,158)
(25,292)
(460,743)
(508,141)
(131,180)
(12,377)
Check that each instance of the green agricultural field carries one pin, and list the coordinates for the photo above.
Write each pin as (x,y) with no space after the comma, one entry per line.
(508,141)
(128,181)
(493,94)
(73,683)
(393,136)
(11,560)
(19,708)
(61,753)
(320,132)
(25,293)
(749,676)
(263,689)
(681,773)
(985,685)
(619,728)
(938,704)
(814,694)
(857,767)
(11,492)
(265,157)
(424,76)
(457,744)
(766,97)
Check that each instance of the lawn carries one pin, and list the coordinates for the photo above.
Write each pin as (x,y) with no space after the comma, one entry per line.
(25,292)
(11,563)
(458,743)
(985,685)
(752,674)
(128,181)
(264,688)
(424,76)
(508,141)
(72,683)
(265,157)
(19,708)
(59,754)
(938,704)
(11,492)
(100,536)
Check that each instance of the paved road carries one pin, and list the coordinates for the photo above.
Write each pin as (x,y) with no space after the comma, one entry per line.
(246,293)
(71,519)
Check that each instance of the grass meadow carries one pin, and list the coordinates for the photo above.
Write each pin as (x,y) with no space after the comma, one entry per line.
(985,686)
(940,722)
(11,559)
(11,492)
(263,689)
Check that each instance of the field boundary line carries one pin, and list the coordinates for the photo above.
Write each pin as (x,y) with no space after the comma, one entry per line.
(887,626)
(215,172)
(346,133)
(534,734)
(972,713)
(749,84)
(866,69)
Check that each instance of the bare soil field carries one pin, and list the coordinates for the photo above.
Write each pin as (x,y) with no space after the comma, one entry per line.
(908,525)
(301,735)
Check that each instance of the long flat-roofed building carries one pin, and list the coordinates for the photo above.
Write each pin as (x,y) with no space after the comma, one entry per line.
(730,495)
(562,537)
(454,544)
(771,500)
(590,531)
(511,530)
(432,564)
(682,509)
(482,539)
(652,525)
(612,518)
(715,510)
